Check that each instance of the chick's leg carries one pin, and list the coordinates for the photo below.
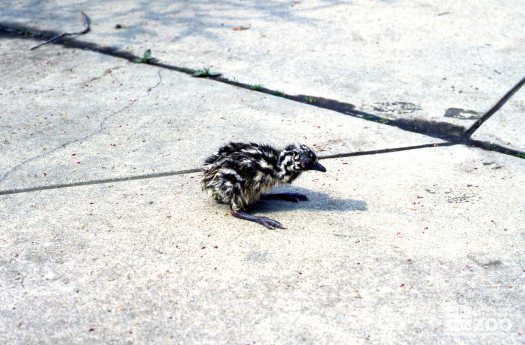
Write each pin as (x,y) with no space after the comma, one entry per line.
(293,197)
(264,221)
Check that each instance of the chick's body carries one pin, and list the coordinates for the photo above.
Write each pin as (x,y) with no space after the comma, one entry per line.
(240,172)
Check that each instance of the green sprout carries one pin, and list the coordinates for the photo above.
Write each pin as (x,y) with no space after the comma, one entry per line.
(146,58)
(309,99)
(25,32)
(206,72)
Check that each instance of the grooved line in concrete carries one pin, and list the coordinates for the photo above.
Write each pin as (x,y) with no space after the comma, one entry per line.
(375,152)
(494,109)
(99,181)
(195,170)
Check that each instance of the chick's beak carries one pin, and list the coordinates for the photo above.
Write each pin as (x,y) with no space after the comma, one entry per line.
(317,166)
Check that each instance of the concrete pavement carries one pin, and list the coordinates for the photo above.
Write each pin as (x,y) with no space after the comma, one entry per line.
(408,238)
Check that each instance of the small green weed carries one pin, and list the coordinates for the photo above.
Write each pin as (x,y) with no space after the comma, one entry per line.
(521,155)
(309,99)
(383,121)
(257,87)
(146,58)
(279,93)
(206,72)
(25,32)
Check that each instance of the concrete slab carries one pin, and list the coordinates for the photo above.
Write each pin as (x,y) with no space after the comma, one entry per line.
(507,126)
(421,246)
(442,61)
(72,115)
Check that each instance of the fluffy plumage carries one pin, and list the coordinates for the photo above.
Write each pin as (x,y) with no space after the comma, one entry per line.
(239,173)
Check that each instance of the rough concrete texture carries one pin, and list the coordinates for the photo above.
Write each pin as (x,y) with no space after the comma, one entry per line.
(72,115)
(421,246)
(441,61)
(507,126)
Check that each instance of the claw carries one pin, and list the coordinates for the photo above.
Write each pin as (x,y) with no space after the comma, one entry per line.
(264,221)
(270,223)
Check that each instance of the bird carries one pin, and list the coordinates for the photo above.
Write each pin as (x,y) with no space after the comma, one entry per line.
(240,174)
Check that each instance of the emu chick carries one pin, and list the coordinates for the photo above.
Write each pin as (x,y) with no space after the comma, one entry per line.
(239,173)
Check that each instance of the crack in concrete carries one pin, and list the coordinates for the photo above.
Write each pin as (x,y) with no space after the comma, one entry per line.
(69,142)
(490,146)
(107,72)
(468,133)
(196,170)
(156,85)
(375,152)
(100,127)
(99,181)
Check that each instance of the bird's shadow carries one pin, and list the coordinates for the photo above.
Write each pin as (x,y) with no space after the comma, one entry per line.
(317,201)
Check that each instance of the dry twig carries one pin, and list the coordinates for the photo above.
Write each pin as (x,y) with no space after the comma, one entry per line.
(87,24)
